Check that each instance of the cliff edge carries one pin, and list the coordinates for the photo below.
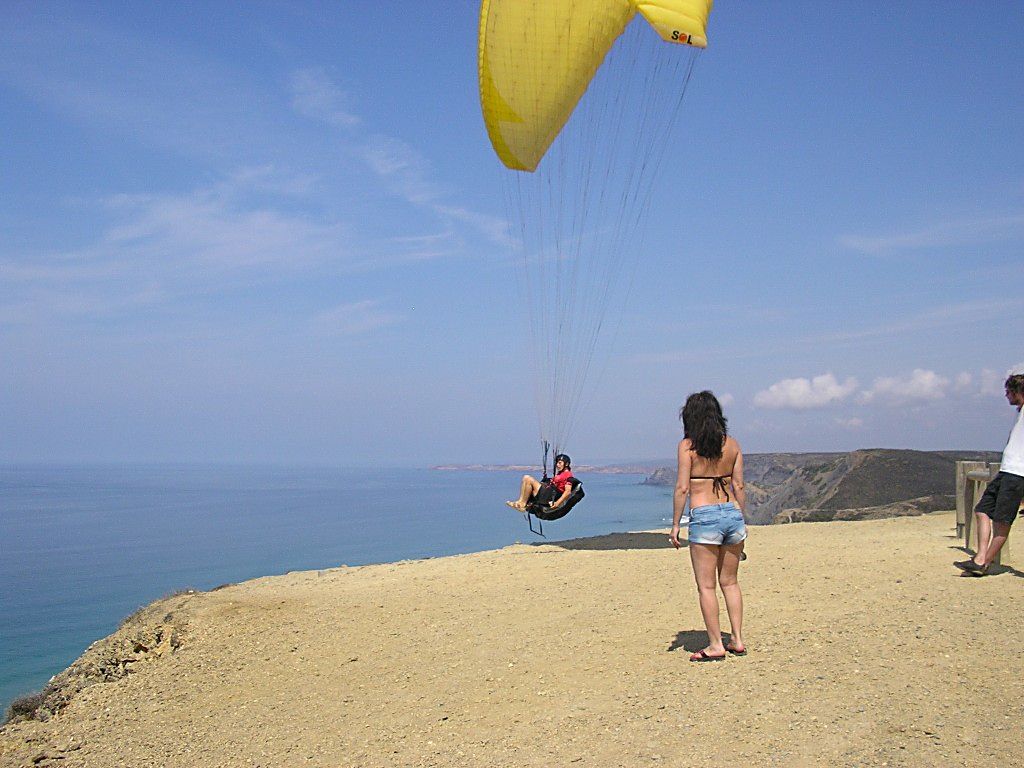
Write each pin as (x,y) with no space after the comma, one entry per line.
(863,643)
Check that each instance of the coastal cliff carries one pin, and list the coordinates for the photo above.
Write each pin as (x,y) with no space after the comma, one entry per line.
(864,484)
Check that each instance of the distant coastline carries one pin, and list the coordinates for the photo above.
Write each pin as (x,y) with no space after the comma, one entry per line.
(864,484)
(611,469)
(868,483)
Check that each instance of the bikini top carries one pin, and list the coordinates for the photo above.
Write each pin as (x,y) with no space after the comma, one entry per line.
(717,485)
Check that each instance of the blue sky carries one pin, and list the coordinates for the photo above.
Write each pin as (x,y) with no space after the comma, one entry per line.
(275,232)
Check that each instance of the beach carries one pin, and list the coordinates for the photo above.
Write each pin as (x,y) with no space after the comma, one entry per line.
(866,648)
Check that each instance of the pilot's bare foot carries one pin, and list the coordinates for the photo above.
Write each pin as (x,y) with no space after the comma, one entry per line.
(516,505)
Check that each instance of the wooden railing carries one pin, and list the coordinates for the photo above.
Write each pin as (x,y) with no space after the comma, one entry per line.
(972,477)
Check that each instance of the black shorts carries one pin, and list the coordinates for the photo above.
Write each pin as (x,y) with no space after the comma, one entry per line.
(545,494)
(1002,498)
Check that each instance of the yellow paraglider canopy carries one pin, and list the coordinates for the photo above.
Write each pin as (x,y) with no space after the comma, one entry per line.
(537,58)
(585,97)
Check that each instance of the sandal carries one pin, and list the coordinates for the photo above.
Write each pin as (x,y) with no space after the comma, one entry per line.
(741,651)
(973,568)
(703,655)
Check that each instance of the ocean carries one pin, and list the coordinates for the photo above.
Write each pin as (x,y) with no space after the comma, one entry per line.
(81,547)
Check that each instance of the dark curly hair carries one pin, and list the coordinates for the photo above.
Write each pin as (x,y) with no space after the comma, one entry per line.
(1015,383)
(704,424)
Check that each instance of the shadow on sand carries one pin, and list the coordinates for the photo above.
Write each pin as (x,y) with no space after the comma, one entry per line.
(693,640)
(613,541)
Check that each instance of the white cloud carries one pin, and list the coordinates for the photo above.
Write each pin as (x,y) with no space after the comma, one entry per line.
(1015,370)
(139,88)
(493,228)
(726,399)
(405,171)
(74,304)
(852,423)
(316,97)
(949,315)
(353,319)
(208,228)
(990,382)
(950,233)
(963,382)
(401,166)
(152,94)
(804,394)
(158,248)
(267,178)
(919,386)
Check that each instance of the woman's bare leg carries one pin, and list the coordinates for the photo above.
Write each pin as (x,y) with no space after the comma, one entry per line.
(728,566)
(704,558)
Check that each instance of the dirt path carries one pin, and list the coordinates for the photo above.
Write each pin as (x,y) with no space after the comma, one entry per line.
(867,649)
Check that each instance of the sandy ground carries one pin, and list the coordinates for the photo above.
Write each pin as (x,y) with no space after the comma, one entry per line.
(866,648)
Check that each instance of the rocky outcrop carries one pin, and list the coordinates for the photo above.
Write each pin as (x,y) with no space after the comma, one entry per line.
(148,634)
(908,508)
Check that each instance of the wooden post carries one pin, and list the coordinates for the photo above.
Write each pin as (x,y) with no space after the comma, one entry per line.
(960,479)
(965,500)
(963,511)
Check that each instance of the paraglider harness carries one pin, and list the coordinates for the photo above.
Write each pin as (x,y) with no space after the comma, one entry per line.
(538,505)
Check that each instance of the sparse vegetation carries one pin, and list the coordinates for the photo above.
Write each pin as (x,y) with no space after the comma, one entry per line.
(25,707)
(147,632)
(814,469)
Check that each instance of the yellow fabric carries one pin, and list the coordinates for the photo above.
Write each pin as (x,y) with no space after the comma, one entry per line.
(536,58)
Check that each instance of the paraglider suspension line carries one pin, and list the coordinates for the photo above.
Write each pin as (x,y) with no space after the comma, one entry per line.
(539,530)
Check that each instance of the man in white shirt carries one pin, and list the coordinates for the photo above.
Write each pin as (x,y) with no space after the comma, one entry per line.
(998,507)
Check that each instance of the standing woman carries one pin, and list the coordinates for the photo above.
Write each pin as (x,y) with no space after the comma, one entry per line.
(711,476)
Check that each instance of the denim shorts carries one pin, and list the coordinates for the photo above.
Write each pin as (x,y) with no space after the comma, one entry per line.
(716,524)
